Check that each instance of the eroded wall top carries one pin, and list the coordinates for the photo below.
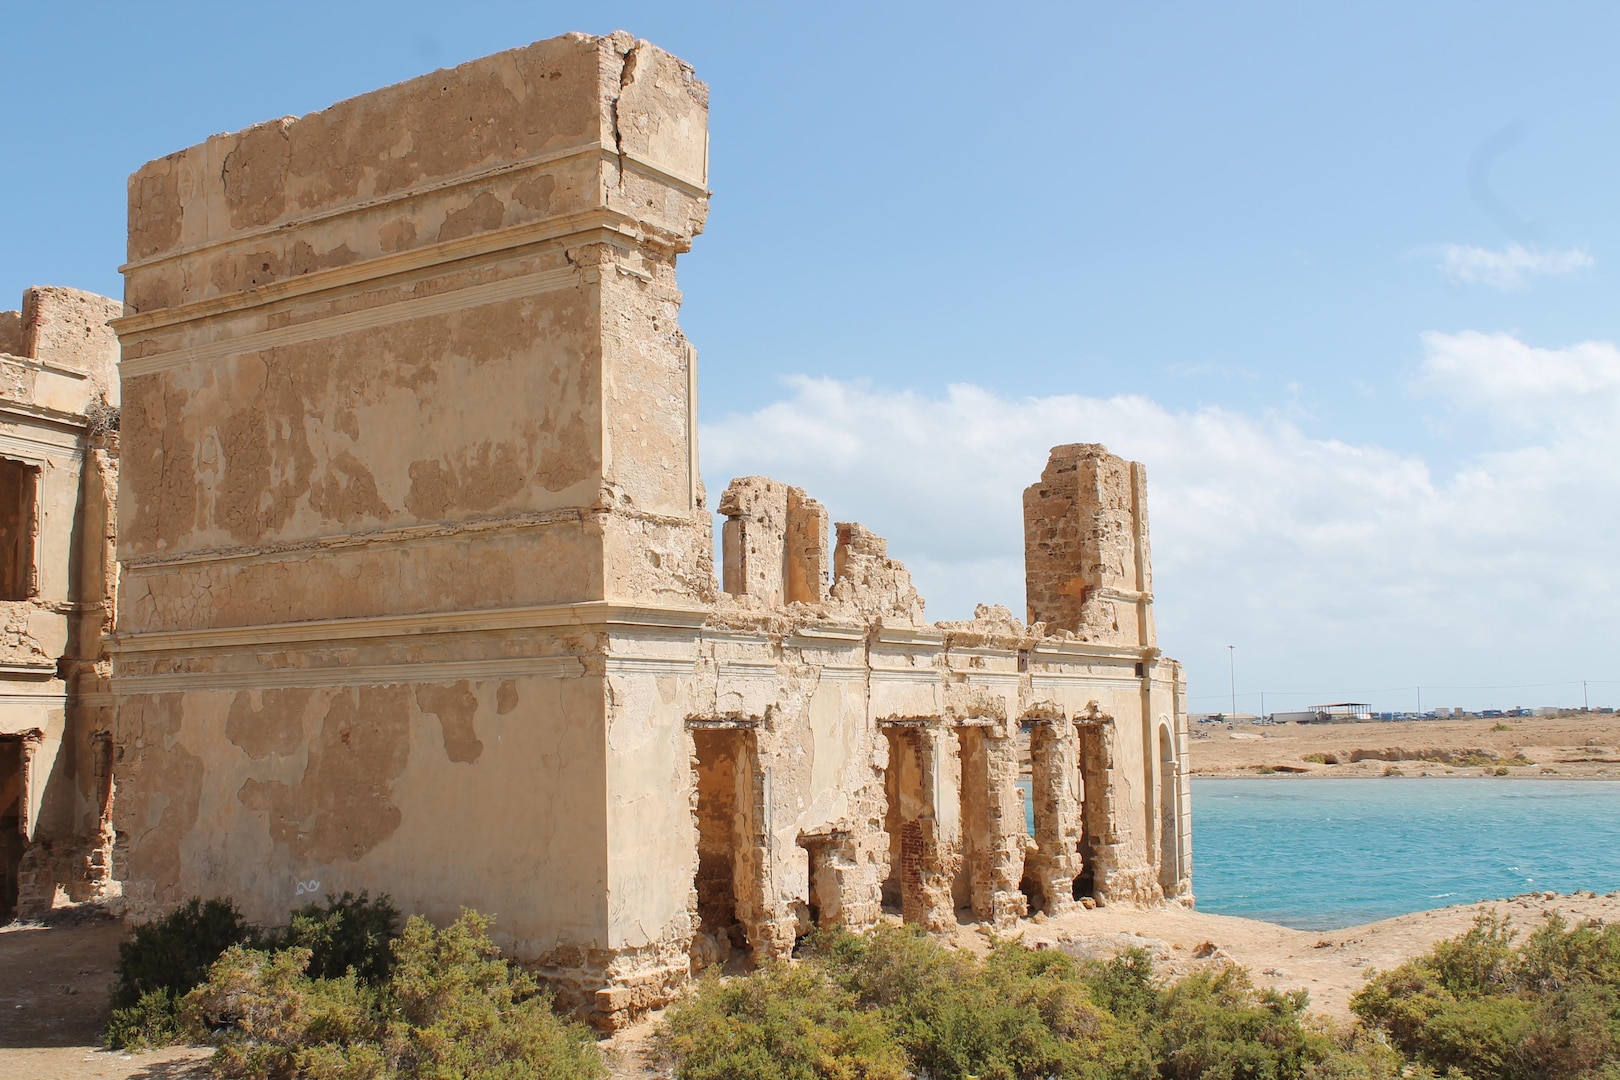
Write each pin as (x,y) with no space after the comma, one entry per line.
(214,218)
(67,331)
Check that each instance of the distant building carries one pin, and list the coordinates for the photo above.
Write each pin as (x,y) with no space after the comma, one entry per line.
(1343,712)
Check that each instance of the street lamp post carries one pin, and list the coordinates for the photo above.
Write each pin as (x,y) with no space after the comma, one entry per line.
(1231,658)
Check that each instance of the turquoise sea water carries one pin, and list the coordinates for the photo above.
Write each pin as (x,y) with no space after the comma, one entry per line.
(1321,854)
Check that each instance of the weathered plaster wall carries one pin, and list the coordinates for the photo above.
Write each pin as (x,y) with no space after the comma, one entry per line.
(408,413)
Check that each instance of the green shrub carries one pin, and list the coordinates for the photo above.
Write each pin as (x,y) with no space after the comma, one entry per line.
(1016,1014)
(273,1020)
(452,1009)
(1216,1024)
(347,933)
(784,1022)
(1124,985)
(150,1023)
(162,961)
(173,953)
(170,956)
(1546,1010)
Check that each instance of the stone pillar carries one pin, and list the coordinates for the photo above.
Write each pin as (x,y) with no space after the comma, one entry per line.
(1086,557)
(993,826)
(1056,861)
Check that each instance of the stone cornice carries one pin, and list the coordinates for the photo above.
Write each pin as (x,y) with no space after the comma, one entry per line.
(597,149)
(601,220)
(588,615)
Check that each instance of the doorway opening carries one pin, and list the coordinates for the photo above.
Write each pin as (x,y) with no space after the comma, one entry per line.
(724,815)
(13,792)
(1096,806)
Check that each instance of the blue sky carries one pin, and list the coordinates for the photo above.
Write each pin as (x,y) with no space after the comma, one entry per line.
(1343,279)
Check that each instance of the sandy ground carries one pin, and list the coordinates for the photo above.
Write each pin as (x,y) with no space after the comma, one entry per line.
(1572,747)
(53,1005)
(54,980)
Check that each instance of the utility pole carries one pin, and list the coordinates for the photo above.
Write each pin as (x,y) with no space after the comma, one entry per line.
(1586,703)
(1231,658)
(1262,704)
(1420,702)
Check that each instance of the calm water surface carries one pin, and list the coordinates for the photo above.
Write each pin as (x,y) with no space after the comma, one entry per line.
(1322,854)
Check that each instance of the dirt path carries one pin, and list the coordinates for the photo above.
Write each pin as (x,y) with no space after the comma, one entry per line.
(1572,747)
(53,1005)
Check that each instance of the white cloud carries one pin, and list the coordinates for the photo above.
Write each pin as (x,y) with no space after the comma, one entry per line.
(1331,564)
(1511,268)
(1518,385)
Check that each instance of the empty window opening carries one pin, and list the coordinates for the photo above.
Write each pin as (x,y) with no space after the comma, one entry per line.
(1091,786)
(13,791)
(18,529)
(721,819)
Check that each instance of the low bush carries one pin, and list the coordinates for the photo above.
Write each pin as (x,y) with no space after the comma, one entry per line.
(163,960)
(168,957)
(451,1009)
(1478,1004)
(785,1022)
(347,933)
(1016,1014)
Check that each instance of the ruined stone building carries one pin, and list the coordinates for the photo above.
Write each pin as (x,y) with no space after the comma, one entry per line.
(58,471)
(418,591)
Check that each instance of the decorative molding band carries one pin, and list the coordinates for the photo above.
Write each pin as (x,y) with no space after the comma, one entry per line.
(1124,653)
(1004,680)
(1060,682)
(807,636)
(746,669)
(544,667)
(925,636)
(29,670)
(43,365)
(356,206)
(36,451)
(350,322)
(340,541)
(589,614)
(567,226)
(15,701)
(651,665)
(908,675)
(449,183)
(17,412)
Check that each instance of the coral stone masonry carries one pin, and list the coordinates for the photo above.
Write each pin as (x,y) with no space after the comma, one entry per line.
(418,590)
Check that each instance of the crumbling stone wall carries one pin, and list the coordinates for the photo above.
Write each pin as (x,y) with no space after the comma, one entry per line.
(418,586)
(58,468)
(1086,557)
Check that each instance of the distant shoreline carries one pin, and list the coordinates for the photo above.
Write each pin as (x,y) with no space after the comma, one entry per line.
(1457,774)
(1578,746)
